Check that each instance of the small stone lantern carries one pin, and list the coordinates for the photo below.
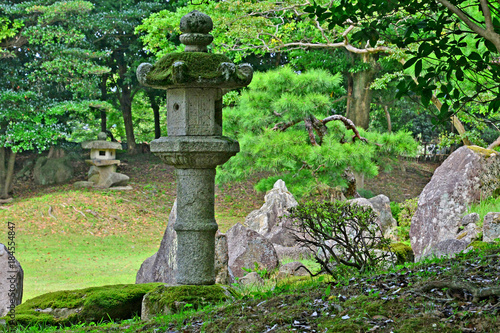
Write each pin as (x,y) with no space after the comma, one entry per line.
(195,82)
(103,163)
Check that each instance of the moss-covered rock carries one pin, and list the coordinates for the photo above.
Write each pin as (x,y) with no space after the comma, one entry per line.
(479,245)
(167,299)
(115,302)
(403,253)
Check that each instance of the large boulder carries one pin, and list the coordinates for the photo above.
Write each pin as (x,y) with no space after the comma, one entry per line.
(267,220)
(162,266)
(381,206)
(11,282)
(467,175)
(49,171)
(247,247)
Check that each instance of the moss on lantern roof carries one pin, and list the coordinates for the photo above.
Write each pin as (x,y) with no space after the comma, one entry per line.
(196,65)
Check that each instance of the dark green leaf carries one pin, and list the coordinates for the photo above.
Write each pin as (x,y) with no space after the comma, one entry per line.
(418,67)
(490,46)
(410,62)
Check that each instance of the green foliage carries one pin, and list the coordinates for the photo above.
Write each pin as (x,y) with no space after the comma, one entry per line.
(491,204)
(407,210)
(262,271)
(446,52)
(8,29)
(403,253)
(340,232)
(365,193)
(395,210)
(269,119)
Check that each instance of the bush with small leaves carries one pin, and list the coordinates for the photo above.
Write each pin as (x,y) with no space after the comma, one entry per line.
(340,233)
(407,210)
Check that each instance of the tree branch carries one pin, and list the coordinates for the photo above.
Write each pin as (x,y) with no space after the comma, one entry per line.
(348,124)
(494,144)
(283,126)
(309,127)
(487,33)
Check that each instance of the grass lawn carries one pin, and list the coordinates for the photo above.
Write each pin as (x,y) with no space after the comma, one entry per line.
(71,239)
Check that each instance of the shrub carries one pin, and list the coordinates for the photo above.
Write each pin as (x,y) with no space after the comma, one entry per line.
(341,233)
(395,210)
(407,211)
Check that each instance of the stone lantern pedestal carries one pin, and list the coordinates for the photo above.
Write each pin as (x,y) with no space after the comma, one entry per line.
(195,82)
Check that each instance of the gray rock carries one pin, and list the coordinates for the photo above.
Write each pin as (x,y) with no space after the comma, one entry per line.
(491,227)
(221,259)
(266,220)
(162,266)
(468,174)
(112,179)
(83,184)
(247,247)
(294,268)
(11,281)
(469,233)
(382,205)
(145,273)
(449,247)
(292,252)
(252,278)
(49,171)
(470,218)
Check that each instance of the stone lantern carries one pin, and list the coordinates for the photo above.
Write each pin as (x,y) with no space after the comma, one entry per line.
(195,81)
(103,164)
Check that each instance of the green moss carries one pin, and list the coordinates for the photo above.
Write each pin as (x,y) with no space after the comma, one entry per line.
(196,64)
(479,245)
(84,305)
(482,151)
(171,299)
(403,253)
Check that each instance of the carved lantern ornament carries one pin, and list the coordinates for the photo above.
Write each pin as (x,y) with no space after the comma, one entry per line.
(195,81)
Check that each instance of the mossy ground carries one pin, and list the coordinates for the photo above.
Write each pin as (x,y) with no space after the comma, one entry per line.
(397,300)
(172,299)
(116,302)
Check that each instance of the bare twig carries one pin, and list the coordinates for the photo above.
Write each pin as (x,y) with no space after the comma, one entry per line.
(78,211)
(50,213)
(495,143)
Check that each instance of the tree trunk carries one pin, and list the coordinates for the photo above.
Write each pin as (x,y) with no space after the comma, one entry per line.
(104,97)
(360,94)
(126,103)
(126,107)
(7,160)
(388,116)
(156,111)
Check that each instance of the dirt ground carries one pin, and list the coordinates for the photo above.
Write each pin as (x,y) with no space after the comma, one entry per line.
(402,182)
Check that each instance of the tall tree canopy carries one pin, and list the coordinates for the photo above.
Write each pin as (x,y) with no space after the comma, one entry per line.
(49,76)
(456,52)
